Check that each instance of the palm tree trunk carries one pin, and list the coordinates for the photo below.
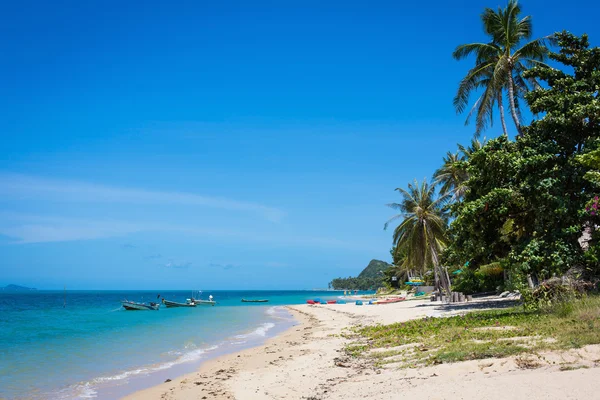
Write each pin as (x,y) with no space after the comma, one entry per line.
(511,99)
(436,284)
(437,267)
(501,107)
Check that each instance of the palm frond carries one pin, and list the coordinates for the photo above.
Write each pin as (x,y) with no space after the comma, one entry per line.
(465,50)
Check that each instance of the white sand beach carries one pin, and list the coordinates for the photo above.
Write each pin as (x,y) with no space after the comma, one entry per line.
(307,362)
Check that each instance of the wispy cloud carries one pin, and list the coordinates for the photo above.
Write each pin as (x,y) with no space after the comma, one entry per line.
(222,266)
(178,264)
(25,186)
(26,228)
(154,256)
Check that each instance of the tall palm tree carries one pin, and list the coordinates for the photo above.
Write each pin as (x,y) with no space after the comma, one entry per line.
(501,62)
(422,232)
(452,176)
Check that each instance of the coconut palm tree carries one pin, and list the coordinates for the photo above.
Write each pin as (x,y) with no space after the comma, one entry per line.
(422,232)
(500,63)
(474,146)
(452,176)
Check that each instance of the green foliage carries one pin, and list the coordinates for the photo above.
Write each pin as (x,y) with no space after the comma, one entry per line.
(355,283)
(591,160)
(525,199)
(484,279)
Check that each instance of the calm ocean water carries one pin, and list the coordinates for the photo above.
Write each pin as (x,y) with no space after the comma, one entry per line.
(92,348)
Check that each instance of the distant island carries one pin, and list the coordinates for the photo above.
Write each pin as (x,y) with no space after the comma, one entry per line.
(16,288)
(369,279)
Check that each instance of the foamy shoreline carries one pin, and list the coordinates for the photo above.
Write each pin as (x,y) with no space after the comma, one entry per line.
(129,381)
(307,361)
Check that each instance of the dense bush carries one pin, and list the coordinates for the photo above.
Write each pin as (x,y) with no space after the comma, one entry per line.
(477,281)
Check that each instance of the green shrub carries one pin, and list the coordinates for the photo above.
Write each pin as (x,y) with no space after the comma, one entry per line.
(470,282)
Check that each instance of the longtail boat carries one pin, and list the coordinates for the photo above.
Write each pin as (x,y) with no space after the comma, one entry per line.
(133,306)
(171,304)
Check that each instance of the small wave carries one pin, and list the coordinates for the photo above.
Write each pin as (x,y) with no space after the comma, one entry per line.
(279,313)
(264,328)
(194,355)
(272,310)
(81,391)
(260,331)
(86,392)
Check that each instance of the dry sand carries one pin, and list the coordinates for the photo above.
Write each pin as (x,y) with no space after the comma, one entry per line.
(307,362)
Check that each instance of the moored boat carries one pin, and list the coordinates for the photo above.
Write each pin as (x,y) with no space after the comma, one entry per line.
(389,301)
(133,306)
(171,304)
(203,302)
(254,301)
(200,302)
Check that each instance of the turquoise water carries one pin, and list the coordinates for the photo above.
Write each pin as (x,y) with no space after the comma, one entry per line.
(92,347)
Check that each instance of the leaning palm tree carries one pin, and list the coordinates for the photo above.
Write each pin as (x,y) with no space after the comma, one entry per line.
(452,176)
(422,232)
(481,77)
(501,62)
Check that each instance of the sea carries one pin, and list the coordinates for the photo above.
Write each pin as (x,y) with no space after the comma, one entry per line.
(83,344)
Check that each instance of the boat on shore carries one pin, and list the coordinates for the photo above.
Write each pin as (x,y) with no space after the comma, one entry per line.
(133,306)
(172,304)
(390,301)
(254,301)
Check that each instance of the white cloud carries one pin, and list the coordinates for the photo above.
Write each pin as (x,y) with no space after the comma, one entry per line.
(24,186)
(40,229)
(26,228)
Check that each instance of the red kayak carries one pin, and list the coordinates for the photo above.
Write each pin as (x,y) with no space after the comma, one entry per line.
(331,301)
(389,301)
(312,302)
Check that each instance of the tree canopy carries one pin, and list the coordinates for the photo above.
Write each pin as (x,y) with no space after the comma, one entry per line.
(526,200)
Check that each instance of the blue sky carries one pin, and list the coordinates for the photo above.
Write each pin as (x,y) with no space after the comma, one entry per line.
(224,144)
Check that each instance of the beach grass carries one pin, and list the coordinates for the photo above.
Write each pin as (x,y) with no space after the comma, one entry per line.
(479,335)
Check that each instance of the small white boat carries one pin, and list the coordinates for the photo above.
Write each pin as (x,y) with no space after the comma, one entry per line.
(133,306)
(199,302)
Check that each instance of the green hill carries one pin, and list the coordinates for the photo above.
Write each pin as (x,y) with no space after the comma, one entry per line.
(373,269)
(369,279)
